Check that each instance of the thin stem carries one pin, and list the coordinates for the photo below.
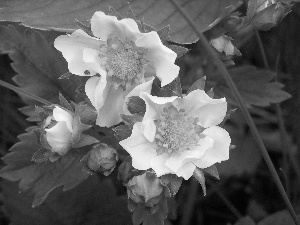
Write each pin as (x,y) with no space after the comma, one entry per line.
(220,66)
(20,91)
(283,134)
(192,197)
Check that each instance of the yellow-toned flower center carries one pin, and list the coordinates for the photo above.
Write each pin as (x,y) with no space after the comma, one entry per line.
(177,131)
(123,60)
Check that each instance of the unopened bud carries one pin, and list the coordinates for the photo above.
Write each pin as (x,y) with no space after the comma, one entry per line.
(270,16)
(145,188)
(102,158)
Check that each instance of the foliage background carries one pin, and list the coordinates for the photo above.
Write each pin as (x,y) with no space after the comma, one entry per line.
(245,185)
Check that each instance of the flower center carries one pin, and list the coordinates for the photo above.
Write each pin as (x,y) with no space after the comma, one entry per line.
(123,60)
(176,131)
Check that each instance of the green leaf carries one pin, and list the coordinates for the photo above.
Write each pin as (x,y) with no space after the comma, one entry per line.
(38,64)
(92,202)
(245,221)
(61,15)
(132,119)
(171,89)
(172,182)
(199,176)
(122,132)
(198,85)
(136,105)
(41,178)
(279,218)
(255,87)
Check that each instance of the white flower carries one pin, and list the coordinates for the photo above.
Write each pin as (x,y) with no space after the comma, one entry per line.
(59,135)
(122,55)
(179,134)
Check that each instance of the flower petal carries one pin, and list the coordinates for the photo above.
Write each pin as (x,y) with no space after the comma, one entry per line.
(154,105)
(220,149)
(210,111)
(162,57)
(92,60)
(105,27)
(96,89)
(59,137)
(72,46)
(158,164)
(140,149)
(109,113)
(178,160)
(62,115)
(144,87)
(186,171)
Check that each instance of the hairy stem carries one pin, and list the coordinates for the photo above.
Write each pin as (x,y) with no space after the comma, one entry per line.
(20,91)
(220,66)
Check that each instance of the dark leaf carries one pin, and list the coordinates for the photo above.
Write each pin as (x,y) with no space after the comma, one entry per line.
(171,89)
(213,171)
(158,218)
(42,155)
(136,105)
(199,175)
(163,33)
(180,51)
(85,28)
(61,15)
(132,119)
(139,214)
(122,132)
(245,221)
(41,178)
(198,85)
(172,182)
(255,87)
(279,218)
(37,63)
(64,102)
(92,202)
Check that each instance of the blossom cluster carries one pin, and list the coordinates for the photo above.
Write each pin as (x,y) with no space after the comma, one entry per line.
(176,135)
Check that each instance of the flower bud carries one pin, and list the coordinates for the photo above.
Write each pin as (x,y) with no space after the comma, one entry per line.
(145,188)
(270,16)
(102,158)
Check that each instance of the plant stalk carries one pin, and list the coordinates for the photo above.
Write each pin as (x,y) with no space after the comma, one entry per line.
(20,91)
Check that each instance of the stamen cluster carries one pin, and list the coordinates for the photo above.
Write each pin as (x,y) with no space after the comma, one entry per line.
(176,131)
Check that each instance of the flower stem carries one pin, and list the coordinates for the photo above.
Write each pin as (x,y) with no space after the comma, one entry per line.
(20,91)
(220,66)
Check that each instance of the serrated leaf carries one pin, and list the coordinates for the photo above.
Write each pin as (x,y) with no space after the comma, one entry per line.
(199,176)
(172,182)
(42,155)
(93,202)
(85,140)
(139,214)
(255,87)
(198,85)
(163,33)
(41,178)
(279,218)
(122,132)
(245,221)
(171,89)
(179,50)
(136,105)
(37,63)
(213,171)
(85,28)
(61,15)
(132,119)
(64,102)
